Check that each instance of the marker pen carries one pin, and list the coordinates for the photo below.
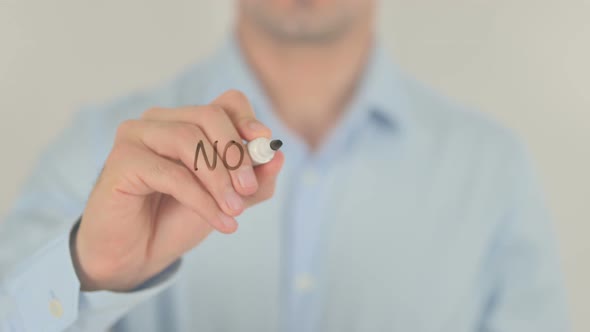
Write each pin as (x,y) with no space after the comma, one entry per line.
(263,149)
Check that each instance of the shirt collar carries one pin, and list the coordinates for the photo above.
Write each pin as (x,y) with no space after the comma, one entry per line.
(381,92)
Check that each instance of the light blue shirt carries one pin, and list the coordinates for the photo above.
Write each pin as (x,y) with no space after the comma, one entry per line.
(414,215)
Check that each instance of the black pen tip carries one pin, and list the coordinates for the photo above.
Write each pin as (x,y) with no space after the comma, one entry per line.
(276,144)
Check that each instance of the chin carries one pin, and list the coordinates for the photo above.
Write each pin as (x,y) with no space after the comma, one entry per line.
(305,20)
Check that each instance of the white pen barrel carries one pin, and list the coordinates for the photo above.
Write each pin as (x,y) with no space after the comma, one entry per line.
(260,151)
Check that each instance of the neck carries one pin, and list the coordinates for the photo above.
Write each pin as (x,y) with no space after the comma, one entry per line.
(309,85)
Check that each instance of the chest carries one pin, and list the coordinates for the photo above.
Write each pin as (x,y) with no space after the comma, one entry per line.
(399,245)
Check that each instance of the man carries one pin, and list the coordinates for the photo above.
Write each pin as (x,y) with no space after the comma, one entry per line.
(395,210)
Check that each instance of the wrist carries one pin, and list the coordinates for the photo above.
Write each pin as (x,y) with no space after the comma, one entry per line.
(98,273)
(86,283)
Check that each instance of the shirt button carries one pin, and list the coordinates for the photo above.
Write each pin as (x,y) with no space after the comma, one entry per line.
(310,178)
(304,283)
(55,308)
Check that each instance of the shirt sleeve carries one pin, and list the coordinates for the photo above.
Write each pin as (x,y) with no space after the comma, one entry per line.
(43,294)
(527,292)
(39,289)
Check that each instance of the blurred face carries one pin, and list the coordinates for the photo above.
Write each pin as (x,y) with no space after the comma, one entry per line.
(305,20)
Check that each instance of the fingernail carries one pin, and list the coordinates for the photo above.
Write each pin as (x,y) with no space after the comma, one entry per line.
(234,201)
(246,177)
(256,126)
(226,220)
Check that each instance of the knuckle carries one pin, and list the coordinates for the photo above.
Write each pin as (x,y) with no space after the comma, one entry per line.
(151,111)
(187,133)
(236,95)
(125,127)
(121,151)
(119,164)
(213,114)
(174,175)
(215,109)
(210,113)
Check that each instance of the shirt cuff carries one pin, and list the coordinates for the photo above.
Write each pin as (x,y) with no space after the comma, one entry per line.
(101,309)
(45,293)
(44,289)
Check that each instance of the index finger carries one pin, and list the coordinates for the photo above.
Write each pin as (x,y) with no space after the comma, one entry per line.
(240,111)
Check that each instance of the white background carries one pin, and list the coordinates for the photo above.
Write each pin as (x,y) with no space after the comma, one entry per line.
(527,62)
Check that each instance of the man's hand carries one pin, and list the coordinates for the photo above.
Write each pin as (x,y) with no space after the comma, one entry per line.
(149,206)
